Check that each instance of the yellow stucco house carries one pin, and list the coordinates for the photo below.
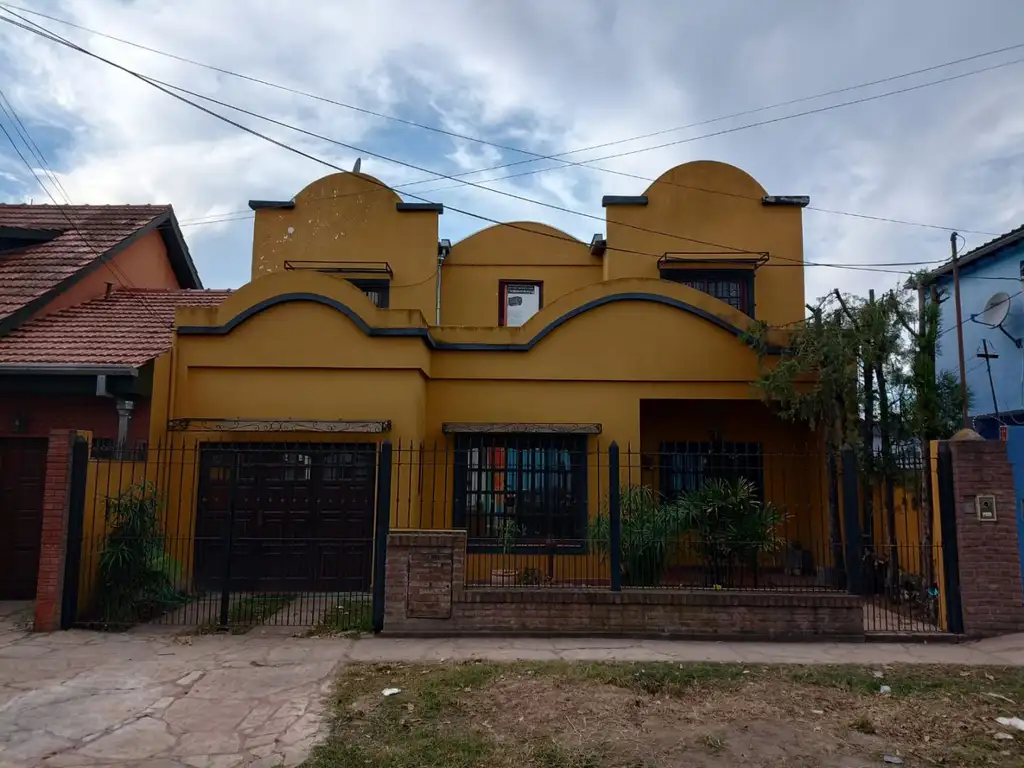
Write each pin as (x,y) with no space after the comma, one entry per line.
(500,367)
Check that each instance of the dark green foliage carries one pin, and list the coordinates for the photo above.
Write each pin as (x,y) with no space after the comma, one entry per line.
(731,527)
(649,525)
(133,581)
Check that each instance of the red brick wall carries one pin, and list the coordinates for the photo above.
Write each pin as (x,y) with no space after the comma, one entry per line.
(424,595)
(990,575)
(49,586)
(45,413)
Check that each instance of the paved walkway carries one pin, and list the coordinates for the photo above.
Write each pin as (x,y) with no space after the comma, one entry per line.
(154,700)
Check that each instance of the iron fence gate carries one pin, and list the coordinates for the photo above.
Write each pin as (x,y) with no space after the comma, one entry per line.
(232,535)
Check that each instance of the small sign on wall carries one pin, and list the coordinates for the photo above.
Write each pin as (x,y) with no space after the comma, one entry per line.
(519,302)
(986,507)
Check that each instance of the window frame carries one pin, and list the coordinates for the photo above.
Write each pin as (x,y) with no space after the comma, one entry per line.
(744,277)
(503,284)
(746,450)
(383,286)
(578,471)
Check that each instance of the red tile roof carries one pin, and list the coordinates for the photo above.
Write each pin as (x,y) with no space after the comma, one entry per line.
(125,328)
(28,273)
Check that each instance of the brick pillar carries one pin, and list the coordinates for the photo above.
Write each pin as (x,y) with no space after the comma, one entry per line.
(425,577)
(50,583)
(990,569)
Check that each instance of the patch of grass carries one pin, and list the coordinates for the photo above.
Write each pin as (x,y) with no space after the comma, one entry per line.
(349,617)
(864,724)
(244,614)
(654,715)
(552,755)
(713,743)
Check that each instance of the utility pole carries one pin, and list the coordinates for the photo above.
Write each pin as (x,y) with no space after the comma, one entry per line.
(989,357)
(959,329)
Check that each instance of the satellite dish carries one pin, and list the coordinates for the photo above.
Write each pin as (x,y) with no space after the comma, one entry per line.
(996,309)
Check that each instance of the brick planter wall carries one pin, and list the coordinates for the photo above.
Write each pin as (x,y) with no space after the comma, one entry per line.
(425,596)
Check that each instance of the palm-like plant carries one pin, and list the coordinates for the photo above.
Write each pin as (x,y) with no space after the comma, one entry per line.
(134,582)
(650,524)
(731,525)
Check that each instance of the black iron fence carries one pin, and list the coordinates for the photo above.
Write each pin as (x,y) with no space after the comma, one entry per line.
(543,510)
(226,534)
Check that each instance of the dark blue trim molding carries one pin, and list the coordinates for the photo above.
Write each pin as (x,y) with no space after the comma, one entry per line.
(259,205)
(422,207)
(424,333)
(623,200)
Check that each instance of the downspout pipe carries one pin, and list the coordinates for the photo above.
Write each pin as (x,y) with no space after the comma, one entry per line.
(444,247)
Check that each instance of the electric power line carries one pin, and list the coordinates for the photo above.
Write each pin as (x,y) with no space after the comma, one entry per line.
(43,32)
(112,268)
(535,157)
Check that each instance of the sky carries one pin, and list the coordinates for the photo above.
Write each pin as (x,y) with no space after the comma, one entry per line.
(545,77)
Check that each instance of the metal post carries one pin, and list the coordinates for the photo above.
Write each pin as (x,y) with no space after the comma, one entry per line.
(225,586)
(75,533)
(851,517)
(614,517)
(959,330)
(380,534)
(950,551)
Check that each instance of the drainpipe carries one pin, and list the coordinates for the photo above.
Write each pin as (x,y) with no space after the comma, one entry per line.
(124,417)
(444,247)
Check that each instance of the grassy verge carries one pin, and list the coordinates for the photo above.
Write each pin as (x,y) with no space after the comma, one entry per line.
(659,715)
(350,617)
(247,612)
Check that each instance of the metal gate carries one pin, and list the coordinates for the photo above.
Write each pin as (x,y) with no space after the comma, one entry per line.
(22,477)
(239,535)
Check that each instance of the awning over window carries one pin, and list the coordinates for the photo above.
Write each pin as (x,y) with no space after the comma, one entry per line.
(540,428)
(277,425)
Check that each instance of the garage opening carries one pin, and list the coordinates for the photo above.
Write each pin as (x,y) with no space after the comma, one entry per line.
(285,517)
(22,479)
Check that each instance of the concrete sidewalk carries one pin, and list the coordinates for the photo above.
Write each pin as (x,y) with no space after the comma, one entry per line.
(149,698)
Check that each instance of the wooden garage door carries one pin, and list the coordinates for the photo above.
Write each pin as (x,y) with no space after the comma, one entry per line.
(286,517)
(22,477)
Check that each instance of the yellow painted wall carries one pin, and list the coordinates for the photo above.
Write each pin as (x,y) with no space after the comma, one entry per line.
(348,217)
(692,218)
(532,252)
(302,344)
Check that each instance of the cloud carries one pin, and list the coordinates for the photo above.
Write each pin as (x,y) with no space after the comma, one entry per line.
(548,77)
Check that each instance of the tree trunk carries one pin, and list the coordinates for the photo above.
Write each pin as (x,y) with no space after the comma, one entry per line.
(887,480)
(835,523)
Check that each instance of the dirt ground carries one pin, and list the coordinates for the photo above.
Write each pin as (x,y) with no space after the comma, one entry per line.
(663,715)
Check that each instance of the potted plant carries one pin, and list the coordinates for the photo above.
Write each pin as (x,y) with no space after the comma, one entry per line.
(508,532)
(731,526)
(649,525)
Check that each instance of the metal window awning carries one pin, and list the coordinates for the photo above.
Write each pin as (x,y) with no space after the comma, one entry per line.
(380,269)
(711,259)
(278,425)
(538,428)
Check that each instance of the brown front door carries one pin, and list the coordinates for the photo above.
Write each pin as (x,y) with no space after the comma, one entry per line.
(286,517)
(22,477)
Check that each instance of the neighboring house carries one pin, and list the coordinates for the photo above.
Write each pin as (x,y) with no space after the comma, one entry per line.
(997,267)
(87,300)
(520,352)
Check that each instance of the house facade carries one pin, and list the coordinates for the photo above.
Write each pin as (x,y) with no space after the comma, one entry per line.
(87,301)
(992,274)
(501,368)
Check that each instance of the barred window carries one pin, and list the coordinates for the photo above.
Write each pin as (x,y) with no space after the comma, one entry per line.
(537,481)
(734,287)
(687,466)
(377,291)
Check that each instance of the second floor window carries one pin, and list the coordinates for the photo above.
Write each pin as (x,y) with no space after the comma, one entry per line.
(734,287)
(377,291)
(518,301)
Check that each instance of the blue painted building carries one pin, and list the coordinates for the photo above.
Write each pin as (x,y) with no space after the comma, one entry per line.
(993,268)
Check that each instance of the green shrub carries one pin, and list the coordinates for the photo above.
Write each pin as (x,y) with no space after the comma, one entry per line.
(134,583)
